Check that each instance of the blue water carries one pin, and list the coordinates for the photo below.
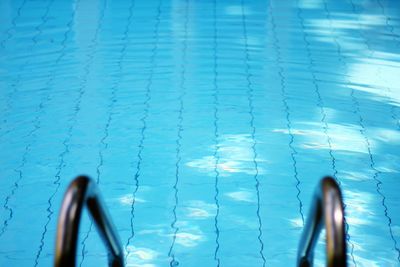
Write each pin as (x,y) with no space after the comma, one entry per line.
(207,126)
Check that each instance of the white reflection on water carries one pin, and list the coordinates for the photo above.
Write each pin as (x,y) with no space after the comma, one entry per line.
(342,136)
(242,195)
(235,156)
(365,262)
(198,213)
(371,70)
(200,210)
(189,234)
(296,223)
(377,76)
(127,200)
(358,207)
(140,256)
(345,137)
(348,22)
(188,239)
(310,4)
(355,176)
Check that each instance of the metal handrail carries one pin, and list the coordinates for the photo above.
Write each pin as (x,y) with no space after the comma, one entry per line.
(327,209)
(83,191)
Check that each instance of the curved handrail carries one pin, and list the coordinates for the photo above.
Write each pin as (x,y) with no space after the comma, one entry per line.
(83,191)
(327,209)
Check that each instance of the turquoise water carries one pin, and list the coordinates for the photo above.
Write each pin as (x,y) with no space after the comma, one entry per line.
(206,125)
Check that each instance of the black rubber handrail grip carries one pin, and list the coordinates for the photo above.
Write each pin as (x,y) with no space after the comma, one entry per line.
(326,210)
(83,192)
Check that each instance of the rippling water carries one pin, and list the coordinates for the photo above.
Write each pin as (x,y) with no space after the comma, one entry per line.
(206,124)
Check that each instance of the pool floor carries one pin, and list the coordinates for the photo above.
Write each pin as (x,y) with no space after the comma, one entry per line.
(206,124)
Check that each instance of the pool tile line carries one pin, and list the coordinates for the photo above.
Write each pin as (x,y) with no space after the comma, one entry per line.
(30,135)
(171,253)
(216,154)
(325,125)
(146,111)
(283,92)
(250,98)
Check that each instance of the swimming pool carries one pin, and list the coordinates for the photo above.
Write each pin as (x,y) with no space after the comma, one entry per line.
(206,124)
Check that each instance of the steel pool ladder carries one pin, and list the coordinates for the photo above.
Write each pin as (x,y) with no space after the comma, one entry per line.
(326,210)
(82,192)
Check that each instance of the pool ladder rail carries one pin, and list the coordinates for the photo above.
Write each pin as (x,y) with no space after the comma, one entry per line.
(326,210)
(82,192)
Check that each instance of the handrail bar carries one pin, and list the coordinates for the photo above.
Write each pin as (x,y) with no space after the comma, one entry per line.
(326,210)
(83,191)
